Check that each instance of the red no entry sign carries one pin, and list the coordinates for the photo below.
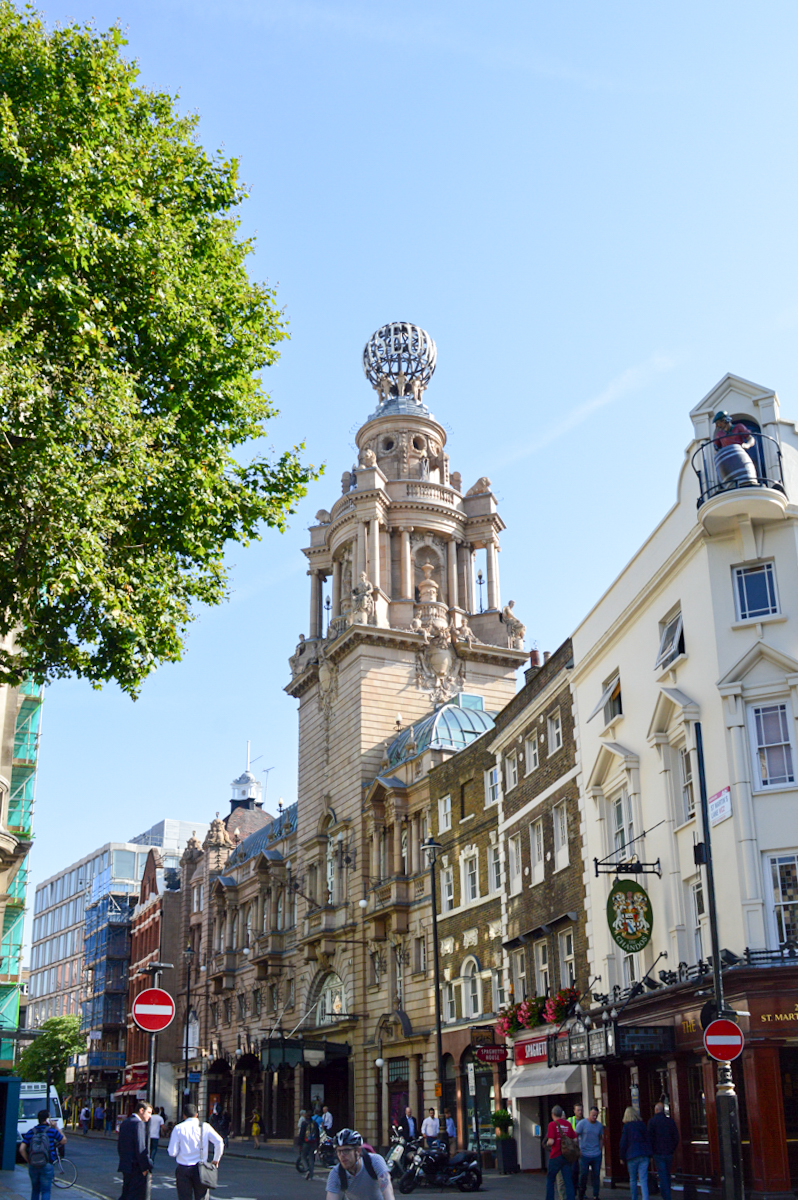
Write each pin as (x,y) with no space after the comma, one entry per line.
(153,1010)
(723,1040)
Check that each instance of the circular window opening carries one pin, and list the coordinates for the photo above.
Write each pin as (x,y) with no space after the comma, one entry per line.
(388,445)
(418,443)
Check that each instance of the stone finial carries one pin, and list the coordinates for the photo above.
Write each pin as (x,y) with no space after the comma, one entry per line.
(217,836)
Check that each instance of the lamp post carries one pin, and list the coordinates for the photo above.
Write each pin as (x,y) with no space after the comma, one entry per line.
(432,849)
(188,955)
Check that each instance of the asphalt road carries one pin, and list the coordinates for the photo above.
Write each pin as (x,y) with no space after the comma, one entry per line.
(240,1178)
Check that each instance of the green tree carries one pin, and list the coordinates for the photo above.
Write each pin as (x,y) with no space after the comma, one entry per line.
(131,346)
(59,1039)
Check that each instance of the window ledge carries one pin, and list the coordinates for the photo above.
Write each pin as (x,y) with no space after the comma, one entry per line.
(537,882)
(611,726)
(685,824)
(463,820)
(557,870)
(670,668)
(751,622)
(776,787)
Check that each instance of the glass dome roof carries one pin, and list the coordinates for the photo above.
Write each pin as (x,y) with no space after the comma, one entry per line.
(453,726)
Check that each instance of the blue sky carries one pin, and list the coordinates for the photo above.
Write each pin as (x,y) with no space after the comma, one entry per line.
(591,208)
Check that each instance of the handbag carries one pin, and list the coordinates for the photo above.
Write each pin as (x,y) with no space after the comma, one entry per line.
(208,1172)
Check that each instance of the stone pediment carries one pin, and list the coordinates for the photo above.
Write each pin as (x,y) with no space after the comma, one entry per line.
(609,757)
(670,702)
(759,665)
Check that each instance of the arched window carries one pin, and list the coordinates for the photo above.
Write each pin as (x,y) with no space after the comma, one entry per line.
(332,1005)
(330,899)
(473,997)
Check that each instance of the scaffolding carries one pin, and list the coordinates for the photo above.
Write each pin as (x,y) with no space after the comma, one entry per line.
(106,954)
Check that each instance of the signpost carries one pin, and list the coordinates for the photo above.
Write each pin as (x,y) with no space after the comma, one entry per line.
(491,1054)
(153,1011)
(723,1040)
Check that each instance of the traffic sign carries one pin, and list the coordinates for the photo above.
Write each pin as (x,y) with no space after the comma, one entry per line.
(153,1010)
(488,1054)
(723,1040)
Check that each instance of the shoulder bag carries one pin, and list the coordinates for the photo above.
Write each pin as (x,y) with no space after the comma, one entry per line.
(208,1171)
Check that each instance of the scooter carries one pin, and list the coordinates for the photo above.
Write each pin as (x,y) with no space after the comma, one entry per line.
(434,1168)
(402,1153)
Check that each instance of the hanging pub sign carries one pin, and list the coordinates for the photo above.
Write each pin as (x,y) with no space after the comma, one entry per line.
(629,915)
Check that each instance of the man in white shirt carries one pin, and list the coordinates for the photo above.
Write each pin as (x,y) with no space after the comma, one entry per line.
(156,1121)
(189,1145)
(326,1119)
(430,1127)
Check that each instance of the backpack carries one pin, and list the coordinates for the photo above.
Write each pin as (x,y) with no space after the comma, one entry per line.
(39,1147)
(367,1163)
(570,1146)
(311,1132)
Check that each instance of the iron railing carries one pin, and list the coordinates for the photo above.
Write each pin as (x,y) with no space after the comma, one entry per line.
(765,458)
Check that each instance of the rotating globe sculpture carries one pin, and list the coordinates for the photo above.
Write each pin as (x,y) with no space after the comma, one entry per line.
(399,360)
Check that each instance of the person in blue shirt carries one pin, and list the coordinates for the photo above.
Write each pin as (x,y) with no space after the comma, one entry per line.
(359,1174)
(635,1150)
(43,1139)
(590,1132)
(664,1134)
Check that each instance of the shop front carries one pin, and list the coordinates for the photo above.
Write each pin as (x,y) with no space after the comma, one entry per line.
(472,1111)
(531,1091)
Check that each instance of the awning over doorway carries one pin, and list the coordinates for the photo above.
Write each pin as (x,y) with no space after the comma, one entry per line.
(543,1081)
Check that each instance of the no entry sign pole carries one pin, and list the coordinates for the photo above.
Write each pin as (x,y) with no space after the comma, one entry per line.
(726,1108)
(153,1011)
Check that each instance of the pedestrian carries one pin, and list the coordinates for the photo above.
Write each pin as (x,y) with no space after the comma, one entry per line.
(156,1123)
(99,1116)
(326,1120)
(590,1132)
(430,1128)
(308,1141)
(135,1163)
(408,1125)
(359,1173)
(39,1148)
(573,1121)
(451,1129)
(664,1134)
(255,1129)
(84,1119)
(224,1126)
(635,1150)
(188,1144)
(558,1131)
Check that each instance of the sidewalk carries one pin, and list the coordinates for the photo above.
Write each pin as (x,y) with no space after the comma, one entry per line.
(16,1186)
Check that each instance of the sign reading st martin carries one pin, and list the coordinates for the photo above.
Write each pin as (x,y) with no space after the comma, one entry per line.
(629,915)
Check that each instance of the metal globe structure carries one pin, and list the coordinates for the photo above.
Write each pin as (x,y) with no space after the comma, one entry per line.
(399,360)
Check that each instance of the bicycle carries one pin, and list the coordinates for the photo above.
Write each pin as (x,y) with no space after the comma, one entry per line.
(65,1173)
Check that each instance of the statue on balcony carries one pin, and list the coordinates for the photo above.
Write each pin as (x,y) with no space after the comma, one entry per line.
(305,654)
(515,629)
(362,601)
(734,466)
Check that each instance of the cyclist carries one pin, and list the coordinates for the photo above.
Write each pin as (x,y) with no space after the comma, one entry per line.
(39,1149)
(358,1173)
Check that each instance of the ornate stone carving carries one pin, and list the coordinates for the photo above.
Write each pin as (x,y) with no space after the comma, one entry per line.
(367,457)
(494,929)
(305,654)
(346,482)
(515,629)
(362,602)
(447,945)
(481,485)
(470,938)
(217,836)
(438,669)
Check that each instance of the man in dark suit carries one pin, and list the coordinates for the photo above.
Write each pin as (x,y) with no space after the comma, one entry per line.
(408,1125)
(134,1159)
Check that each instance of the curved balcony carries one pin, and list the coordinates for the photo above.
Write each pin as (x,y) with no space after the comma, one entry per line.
(739,481)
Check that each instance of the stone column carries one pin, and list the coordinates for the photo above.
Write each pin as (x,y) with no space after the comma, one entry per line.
(360,555)
(315,603)
(373,569)
(336,588)
(493,575)
(468,572)
(452,562)
(228,929)
(407,581)
(387,583)
(397,846)
(375,855)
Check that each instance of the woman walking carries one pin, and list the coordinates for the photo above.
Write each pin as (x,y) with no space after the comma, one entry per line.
(635,1150)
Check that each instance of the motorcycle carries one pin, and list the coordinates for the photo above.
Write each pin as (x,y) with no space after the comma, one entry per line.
(434,1168)
(325,1151)
(402,1153)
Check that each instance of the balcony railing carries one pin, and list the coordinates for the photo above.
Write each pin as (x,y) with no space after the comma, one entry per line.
(786,953)
(735,467)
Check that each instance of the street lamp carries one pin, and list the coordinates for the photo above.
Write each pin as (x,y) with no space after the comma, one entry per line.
(188,955)
(432,849)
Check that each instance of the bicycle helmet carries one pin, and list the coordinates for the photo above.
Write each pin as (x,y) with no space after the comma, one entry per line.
(348,1137)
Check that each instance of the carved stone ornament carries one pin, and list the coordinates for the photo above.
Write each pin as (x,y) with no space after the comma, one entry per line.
(323,516)
(362,612)
(323,960)
(217,835)
(470,938)
(438,669)
(367,457)
(305,654)
(481,485)
(494,929)
(447,946)
(515,629)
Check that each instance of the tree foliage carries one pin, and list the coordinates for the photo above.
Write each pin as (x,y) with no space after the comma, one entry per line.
(59,1039)
(131,345)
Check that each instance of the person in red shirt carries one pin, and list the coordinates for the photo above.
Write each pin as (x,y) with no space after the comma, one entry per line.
(731,441)
(558,1130)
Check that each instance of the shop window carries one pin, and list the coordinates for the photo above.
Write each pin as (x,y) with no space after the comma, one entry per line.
(784,881)
(686,779)
(511,770)
(755,592)
(696,1102)
(555,731)
(531,753)
(771,745)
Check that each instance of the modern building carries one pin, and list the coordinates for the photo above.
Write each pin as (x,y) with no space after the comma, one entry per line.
(698,632)
(81,946)
(20,727)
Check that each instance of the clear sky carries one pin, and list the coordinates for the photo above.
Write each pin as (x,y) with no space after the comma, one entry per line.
(591,208)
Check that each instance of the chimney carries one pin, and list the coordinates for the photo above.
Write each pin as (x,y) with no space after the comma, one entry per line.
(534,658)
(546,655)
